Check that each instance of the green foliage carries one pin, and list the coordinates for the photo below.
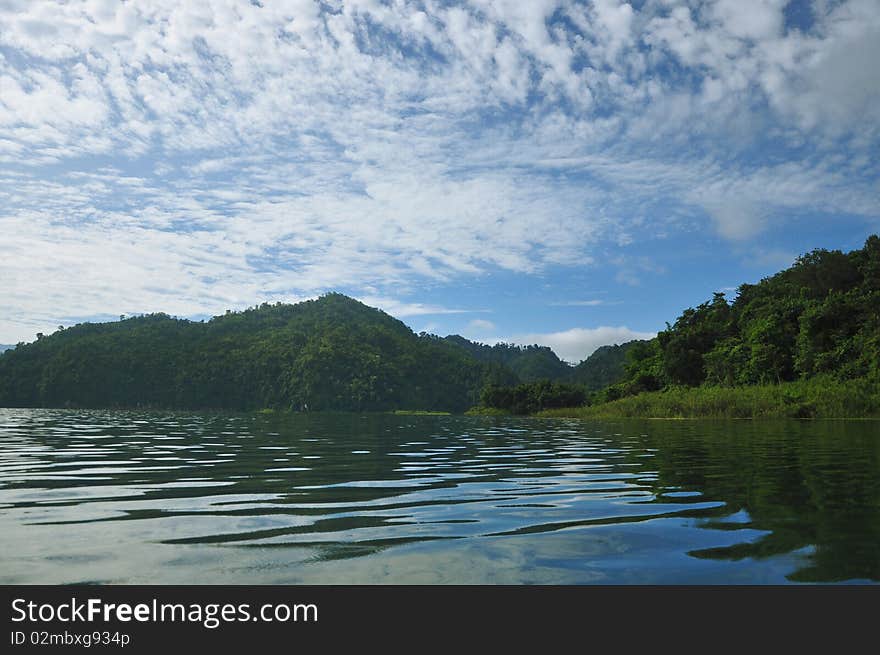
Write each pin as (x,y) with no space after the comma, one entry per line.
(695,333)
(481,410)
(606,366)
(644,368)
(332,353)
(821,316)
(818,397)
(532,397)
(528,363)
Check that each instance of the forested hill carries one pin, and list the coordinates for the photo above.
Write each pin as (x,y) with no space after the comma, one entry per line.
(821,316)
(606,366)
(333,353)
(529,363)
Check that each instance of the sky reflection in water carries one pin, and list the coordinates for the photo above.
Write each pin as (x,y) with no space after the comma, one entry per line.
(128,497)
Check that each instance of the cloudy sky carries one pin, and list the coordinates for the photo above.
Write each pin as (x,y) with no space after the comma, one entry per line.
(543,171)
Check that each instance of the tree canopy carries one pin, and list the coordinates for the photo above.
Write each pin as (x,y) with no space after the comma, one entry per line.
(529,363)
(333,353)
(820,316)
(605,366)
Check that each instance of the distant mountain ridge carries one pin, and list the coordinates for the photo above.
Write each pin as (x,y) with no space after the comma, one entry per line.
(529,363)
(606,366)
(332,353)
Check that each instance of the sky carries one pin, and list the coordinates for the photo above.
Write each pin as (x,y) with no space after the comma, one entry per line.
(552,171)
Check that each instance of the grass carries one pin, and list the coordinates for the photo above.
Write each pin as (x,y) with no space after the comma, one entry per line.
(819,397)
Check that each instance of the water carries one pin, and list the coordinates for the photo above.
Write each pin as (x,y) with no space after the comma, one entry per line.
(129,497)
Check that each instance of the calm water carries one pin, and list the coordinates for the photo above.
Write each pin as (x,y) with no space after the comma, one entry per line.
(127,497)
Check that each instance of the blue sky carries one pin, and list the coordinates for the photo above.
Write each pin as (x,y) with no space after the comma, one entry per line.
(556,172)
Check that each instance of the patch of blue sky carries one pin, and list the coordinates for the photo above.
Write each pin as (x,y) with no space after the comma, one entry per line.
(799,15)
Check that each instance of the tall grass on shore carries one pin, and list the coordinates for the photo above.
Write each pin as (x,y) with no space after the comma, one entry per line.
(818,397)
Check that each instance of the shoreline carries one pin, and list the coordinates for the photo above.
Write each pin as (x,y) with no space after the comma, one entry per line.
(815,398)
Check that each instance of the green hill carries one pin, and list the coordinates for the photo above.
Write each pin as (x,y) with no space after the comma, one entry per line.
(821,316)
(804,342)
(606,366)
(529,363)
(817,320)
(333,353)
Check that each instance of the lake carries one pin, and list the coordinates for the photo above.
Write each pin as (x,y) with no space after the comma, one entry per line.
(185,498)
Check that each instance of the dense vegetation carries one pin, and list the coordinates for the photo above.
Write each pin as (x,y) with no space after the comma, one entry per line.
(568,387)
(822,315)
(331,353)
(804,342)
(606,366)
(819,397)
(529,363)
(532,397)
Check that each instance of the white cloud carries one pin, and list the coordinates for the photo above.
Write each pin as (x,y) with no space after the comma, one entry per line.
(277,151)
(750,19)
(480,325)
(430,328)
(772,258)
(577,344)
(737,219)
(401,309)
(580,303)
(631,269)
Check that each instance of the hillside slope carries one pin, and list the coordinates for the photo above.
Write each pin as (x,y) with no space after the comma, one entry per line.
(606,366)
(333,353)
(529,363)
(819,317)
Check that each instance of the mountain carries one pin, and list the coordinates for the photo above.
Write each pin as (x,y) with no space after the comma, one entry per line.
(333,353)
(5,346)
(821,316)
(606,366)
(529,363)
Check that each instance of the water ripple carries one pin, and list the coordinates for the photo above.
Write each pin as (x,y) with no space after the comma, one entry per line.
(183,497)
